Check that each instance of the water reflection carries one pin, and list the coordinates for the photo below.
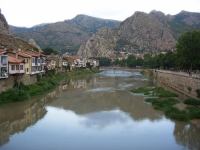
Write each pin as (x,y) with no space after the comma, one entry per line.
(187,135)
(16,117)
(94,112)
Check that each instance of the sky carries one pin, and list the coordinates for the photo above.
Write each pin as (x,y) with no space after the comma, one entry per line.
(27,13)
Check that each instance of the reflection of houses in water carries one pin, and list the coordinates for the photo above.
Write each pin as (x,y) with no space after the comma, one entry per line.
(30,117)
(4,133)
(79,83)
(64,87)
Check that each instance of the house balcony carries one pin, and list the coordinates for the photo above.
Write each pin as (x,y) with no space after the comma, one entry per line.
(42,71)
(16,71)
(3,76)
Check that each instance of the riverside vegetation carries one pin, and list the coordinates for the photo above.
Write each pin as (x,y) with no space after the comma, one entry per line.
(45,83)
(166,101)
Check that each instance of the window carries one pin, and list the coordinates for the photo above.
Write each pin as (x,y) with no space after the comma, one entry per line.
(27,60)
(33,60)
(12,67)
(21,67)
(17,67)
(26,69)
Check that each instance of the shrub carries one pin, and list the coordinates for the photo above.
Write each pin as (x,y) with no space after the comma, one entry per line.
(14,95)
(194,112)
(162,103)
(191,101)
(163,93)
(189,88)
(141,90)
(198,92)
(175,113)
(38,76)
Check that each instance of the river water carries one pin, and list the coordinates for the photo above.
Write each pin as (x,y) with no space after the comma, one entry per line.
(94,112)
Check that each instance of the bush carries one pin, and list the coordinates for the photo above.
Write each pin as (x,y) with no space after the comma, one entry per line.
(162,103)
(194,113)
(38,76)
(141,90)
(198,93)
(161,92)
(193,102)
(189,88)
(14,95)
(175,113)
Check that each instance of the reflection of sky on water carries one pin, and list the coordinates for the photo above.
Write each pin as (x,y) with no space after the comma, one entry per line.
(124,86)
(108,89)
(119,73)
(103,130)
(105,118)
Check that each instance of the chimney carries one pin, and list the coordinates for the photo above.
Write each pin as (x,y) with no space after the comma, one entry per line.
(16,54)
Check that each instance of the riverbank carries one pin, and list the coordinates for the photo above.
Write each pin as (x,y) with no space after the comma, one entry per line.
(44,84)
(187,110)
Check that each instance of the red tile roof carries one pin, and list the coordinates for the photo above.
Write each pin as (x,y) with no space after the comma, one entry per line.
(15,60)
(34,53)
(50,58)
(23,54)
(2,51)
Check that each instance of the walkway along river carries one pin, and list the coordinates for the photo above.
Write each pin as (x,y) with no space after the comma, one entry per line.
(94,112)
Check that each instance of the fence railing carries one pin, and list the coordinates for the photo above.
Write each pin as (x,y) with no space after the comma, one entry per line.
(182,73)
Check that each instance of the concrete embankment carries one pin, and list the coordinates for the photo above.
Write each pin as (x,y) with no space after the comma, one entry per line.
(184,83)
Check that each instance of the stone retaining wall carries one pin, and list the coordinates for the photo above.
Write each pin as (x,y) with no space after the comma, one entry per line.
(178,82)
(8,83)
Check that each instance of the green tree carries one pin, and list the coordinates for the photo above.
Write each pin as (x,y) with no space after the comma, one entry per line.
(103,61)
(188,50)
(139,62)
(49,51)
(131,61)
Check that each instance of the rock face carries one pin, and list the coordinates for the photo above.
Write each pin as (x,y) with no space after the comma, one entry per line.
(4,27)
(10,42)
(32,42)
(141,33)
(59,35)
(7,41)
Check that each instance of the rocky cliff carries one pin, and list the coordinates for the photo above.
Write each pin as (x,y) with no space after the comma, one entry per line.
(32,42)
(10,42)
(4,27)
(141,33)
(64,34)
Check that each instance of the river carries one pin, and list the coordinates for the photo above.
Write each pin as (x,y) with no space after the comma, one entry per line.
(94,112)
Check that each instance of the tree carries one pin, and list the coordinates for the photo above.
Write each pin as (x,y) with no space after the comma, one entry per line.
(49,51)
(103,61)
(131,61)
(188,50)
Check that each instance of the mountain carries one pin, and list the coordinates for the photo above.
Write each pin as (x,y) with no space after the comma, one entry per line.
(141,33)
(63,35)
(4,27)
(7,41)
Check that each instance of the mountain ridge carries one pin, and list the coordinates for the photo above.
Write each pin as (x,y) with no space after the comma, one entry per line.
(64,34)
(141,33)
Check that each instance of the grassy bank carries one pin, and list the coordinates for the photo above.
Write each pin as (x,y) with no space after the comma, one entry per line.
(158,91)
(166,101)
(48,82)
(80,71)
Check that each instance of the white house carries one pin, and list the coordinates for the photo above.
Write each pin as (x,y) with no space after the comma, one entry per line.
(16,66)
(3,66)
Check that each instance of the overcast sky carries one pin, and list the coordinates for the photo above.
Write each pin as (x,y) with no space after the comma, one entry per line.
(27,13)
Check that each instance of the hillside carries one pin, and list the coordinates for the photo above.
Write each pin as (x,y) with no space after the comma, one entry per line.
(7,41)
(4,27)
(68,34)
(141,33)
